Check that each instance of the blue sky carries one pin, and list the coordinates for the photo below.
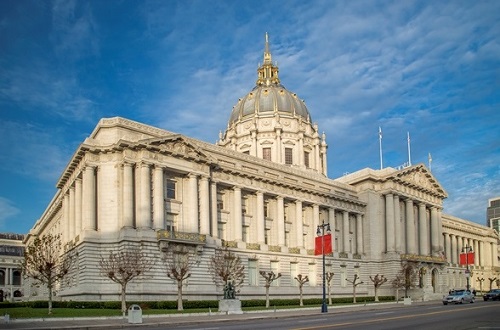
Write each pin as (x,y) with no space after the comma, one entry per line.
(431,68)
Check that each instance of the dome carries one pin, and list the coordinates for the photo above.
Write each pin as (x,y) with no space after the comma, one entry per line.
(269,97)
(267,101)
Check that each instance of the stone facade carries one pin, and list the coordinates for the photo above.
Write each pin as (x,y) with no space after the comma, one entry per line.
(261,191)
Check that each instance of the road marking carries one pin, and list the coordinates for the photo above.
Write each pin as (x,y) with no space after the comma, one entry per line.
(314,320)
(382,313)
(329,326)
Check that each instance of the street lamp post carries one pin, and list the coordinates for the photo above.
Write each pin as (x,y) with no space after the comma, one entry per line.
(466,249)
(321,231)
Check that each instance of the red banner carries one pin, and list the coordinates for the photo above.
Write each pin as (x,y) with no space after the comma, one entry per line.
(467,258)
(327,249)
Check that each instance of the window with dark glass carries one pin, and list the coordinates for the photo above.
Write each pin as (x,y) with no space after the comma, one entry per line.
(288,156)
(306,159)
(171,184)
(16,277)
(266,153)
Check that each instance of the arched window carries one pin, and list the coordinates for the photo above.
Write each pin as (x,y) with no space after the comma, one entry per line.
(16,277)
(2,277)
(18,293)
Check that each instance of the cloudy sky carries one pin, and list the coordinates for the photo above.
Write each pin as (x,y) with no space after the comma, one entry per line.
(430,68)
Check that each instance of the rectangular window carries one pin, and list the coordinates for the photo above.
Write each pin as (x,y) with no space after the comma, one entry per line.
(252,273)
(293,273)
(266,153)
(170,222)
(171,184)
(288,156)
(306,159)
(275,268)
(312,274)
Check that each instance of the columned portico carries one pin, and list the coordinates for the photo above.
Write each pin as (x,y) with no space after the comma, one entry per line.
(299,225)
(389,213)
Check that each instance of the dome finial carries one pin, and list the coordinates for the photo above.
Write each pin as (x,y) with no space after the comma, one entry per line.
(267,72)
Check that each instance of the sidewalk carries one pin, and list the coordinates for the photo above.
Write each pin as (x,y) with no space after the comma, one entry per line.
(170,319)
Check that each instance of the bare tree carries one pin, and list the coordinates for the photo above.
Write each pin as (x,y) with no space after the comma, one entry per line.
(378,280)
(226,267)
(406,278)
(480,280)
(302,280)
(354,283)
(46,263)
(123,267)
(492,280)
(179,262)
(270,277)
(329,278)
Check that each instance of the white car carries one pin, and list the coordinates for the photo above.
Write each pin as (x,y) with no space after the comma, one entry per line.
(458,297)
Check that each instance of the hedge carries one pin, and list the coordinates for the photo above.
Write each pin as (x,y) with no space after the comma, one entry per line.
(191,304)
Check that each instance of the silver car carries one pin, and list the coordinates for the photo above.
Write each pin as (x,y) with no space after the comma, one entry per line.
(458,297)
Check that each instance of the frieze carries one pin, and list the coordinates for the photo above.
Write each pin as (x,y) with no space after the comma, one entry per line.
(294,250)
(253,246)
(274,248)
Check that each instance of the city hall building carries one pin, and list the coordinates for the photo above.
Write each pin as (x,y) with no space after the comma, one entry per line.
(262,191)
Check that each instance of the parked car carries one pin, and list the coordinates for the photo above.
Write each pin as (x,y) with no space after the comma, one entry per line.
(492,295)
(458,297)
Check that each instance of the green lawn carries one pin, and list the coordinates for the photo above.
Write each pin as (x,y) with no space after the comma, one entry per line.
(28,312)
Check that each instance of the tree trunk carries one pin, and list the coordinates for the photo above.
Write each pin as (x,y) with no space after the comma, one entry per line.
(301,303)
(124,304)
(179,296)
(354,294)
(49,286)
(376,293)
(267,296)
(329,295)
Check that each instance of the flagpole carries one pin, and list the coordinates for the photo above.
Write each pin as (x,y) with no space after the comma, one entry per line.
(409,152)
(430,162)
(380,145)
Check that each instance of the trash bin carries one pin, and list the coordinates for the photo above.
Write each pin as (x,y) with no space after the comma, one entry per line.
(134,314)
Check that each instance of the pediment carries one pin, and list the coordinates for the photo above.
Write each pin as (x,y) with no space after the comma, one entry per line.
(176,145)
(420,178)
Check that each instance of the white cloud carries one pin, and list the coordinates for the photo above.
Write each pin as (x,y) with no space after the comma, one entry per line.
(7,210)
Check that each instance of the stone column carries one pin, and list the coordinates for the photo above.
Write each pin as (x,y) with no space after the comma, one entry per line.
(481,253)
(454,248)
(345,230)
(260,217)
(331,220)
(410,228)
(299,229)
(301,150)
(389,223)
(143,206)
(78,206)
(476,252)
(191,225)
(281,220)
(213,210)
(422,227)
(71,222)
(128,195)
(279,148)
(158,199)
(66,212)
(89,198)
(494,254)
(397,224)
(440,230)
(434,231)
(204,206)
(459,247)
(238,221)
(315,221)
(447,239)
(359,234)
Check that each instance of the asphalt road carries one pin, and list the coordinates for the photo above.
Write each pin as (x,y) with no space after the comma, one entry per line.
(480,315)
(421,315)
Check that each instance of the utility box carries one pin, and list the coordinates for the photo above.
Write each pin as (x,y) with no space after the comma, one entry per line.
(134,314)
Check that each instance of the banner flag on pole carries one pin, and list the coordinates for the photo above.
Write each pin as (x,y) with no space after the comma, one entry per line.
(327,239)
(467,258)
